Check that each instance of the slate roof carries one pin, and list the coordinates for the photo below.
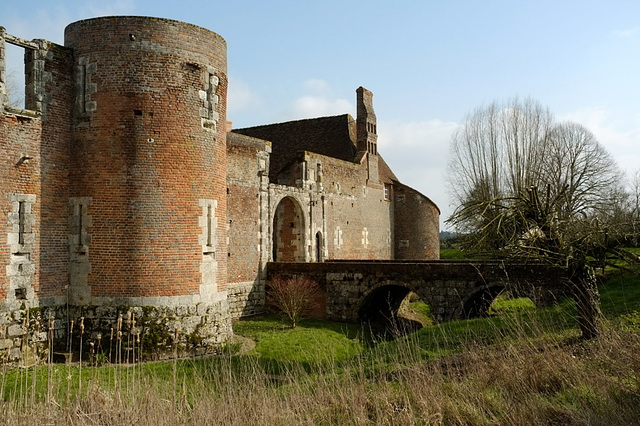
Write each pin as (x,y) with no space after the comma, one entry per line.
(328,136)
(331,136)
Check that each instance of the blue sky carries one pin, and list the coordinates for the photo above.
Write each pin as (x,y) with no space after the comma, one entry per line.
(427,62)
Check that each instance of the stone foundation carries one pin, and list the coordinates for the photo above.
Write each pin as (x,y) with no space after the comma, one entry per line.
(246,298)
(159,332)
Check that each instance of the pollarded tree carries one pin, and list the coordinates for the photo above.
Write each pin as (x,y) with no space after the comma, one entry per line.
(583,178)
(504,149)
(528,187)
(497,152)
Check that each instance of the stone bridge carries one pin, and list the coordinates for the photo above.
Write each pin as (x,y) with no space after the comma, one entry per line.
(370,290)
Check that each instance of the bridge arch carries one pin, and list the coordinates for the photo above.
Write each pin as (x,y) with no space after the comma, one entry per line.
(288,232)
(477,303)
(382,303)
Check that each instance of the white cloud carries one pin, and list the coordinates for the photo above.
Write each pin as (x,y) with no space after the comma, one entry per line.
(320,102)
(418,153)
(101,8)
(317,85)
(55,17)
(241,97)
(622,144)
(319,106)
(629,32)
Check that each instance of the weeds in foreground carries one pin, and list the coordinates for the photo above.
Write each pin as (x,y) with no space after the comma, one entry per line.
(523,366)
(523,382)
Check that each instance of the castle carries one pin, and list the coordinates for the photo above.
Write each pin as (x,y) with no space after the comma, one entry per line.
(125,191)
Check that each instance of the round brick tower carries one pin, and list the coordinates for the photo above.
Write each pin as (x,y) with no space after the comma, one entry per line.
(147,221)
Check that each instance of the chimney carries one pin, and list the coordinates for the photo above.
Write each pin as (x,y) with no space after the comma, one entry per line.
(366,125)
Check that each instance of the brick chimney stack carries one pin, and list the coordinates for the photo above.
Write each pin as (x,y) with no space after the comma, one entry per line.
(366,125)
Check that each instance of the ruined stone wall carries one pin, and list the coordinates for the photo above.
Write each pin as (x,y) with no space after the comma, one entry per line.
(416,225)
(33,196)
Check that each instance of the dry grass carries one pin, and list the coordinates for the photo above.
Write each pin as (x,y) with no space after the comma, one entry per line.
(549,382)
(516,369)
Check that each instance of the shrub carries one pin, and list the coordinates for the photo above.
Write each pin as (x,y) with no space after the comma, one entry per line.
(293,297)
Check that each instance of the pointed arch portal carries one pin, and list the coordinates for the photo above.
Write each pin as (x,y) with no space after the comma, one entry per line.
(288,232)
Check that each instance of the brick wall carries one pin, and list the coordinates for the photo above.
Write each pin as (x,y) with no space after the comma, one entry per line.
(54,205)
(148,156)
(247,158)
(416,224)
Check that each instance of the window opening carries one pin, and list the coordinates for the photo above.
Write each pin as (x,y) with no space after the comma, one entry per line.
(21,293)
(15,81)
(80,240)
(22,75)
(83,88)
(209,220)
(21,220)
(318,247)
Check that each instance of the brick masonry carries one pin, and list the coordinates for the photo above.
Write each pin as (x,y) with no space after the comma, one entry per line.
(126,191)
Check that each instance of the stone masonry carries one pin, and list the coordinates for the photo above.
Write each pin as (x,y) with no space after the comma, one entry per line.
(127,194)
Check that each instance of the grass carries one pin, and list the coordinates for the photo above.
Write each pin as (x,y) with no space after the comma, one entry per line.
(452,254)
(517,366)
(312,341)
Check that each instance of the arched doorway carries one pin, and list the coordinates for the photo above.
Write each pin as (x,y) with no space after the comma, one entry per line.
(288,232)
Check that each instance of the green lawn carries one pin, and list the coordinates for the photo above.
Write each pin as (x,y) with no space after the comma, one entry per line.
(312,341)
(451,254)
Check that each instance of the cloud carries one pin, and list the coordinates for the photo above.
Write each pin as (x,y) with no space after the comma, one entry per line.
(317,85)
(241,96)
(101,8)
(629,32)
(318,106)
(55,17)
(621,143)
(320,102)
(418,153)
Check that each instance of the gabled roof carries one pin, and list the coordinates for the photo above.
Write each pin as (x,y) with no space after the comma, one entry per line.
(385,174)
(331,136)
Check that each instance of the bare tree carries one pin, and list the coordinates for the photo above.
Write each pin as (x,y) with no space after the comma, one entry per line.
(634,207)
(293,297)
(503,150)
(497,152)
(581,174)
(14,89)
(528,187)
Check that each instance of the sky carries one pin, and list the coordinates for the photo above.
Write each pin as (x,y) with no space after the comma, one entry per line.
(429,63)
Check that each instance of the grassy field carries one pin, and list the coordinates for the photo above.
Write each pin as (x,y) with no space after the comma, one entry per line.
(520,365)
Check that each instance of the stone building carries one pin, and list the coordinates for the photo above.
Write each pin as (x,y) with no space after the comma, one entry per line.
(126,193)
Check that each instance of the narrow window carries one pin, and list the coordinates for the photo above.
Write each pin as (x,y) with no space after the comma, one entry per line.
(80,239)
(21,219)
(209,224)
(15,75)
(387,191)
(318,247)
(83,88)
